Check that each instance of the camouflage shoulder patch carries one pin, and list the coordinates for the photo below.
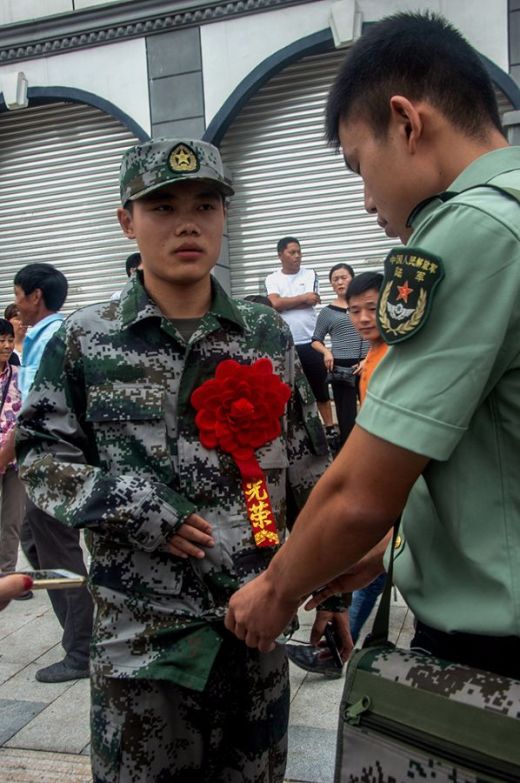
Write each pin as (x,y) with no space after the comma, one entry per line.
(411,277)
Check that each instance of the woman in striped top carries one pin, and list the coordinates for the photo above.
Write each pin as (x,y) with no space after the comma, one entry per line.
(347,348)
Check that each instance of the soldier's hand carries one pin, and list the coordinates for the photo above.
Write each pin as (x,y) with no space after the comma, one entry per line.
(191,538)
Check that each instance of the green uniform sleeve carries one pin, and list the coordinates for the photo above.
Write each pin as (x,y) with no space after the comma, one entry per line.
(62,471)
(425,391)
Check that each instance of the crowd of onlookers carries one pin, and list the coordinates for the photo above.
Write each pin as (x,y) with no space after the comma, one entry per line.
(29,323)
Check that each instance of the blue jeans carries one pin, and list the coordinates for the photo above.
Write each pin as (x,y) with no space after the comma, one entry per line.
(362,604)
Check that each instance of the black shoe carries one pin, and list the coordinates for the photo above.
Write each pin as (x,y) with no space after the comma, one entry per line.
(61,672)
(308,658)
(25,596)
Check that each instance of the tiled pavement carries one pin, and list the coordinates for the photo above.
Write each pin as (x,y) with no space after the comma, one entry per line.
(44,736)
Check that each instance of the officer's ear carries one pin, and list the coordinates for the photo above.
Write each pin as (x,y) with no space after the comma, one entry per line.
(407,119)
(126,221)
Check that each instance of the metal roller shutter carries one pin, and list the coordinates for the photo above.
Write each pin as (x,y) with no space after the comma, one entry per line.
(59,167)
(288,182)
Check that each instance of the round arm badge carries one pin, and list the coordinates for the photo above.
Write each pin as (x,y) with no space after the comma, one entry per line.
(411,277)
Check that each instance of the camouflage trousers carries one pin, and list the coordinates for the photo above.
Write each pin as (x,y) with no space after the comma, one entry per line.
(154,731)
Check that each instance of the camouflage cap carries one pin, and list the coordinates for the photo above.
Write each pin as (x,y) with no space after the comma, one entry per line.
(159,162)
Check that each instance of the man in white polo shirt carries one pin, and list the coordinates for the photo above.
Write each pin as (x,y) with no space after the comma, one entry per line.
(293,291)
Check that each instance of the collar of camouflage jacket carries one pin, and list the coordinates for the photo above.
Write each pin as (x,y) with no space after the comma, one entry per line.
(136,305)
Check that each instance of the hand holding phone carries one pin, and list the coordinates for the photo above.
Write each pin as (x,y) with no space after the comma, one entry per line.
(333,645)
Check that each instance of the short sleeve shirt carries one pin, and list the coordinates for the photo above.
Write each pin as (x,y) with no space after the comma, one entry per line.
(452,393)
(302,320)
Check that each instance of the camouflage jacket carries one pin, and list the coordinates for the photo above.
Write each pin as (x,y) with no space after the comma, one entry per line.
(108,442)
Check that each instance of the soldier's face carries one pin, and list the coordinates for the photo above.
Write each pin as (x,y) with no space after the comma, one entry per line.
(396,169)
(179,232)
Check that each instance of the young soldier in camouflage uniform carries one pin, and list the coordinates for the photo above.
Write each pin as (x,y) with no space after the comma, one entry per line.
(108,441)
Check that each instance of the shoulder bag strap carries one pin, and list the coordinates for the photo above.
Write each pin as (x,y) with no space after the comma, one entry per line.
(380,628)
(5,390)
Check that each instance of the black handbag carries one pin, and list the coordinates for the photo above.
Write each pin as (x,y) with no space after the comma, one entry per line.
(342,375)
(408,716)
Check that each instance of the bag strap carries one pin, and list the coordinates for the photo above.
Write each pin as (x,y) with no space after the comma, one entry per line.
(5,390)
(381,626)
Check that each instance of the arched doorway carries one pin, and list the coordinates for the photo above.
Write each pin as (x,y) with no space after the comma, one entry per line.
(59,167)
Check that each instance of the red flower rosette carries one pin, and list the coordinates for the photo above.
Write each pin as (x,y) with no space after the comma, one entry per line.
(238,411)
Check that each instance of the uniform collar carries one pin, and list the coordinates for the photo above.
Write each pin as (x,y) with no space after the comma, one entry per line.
(479,172)
(137,306)
(38,327)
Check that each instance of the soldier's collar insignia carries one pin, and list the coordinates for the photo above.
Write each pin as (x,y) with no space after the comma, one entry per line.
(411,277)
(183,159)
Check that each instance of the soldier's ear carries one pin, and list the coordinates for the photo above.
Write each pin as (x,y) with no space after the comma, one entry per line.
(126,222)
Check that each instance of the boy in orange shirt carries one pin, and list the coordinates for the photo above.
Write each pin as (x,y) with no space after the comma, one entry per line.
(362,296)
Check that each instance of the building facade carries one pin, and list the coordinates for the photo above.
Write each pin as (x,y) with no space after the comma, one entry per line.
(81,80)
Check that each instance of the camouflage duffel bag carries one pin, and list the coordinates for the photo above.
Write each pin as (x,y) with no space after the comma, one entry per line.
(408,717)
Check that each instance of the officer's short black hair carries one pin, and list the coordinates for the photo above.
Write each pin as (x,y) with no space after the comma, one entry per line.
(284,241)
(132,262)
(51,282)
(341,266)
(6,327)
(419,56)
(366,281)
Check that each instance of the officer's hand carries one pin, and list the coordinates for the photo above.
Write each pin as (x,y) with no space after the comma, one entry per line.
(257,615)
(341,631)
(190,537)
(12,586)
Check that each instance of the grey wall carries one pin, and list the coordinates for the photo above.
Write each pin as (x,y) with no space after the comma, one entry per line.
(177,99)
(175,74)
(514,39)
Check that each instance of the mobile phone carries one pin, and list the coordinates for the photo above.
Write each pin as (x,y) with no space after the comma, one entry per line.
(333,645)
(55,579)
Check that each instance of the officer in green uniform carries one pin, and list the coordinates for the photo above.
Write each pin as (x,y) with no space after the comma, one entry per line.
(170,424)
(415,114)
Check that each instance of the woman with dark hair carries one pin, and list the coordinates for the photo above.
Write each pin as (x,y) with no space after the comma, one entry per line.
(347,348)
(12,315)
(12,496)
